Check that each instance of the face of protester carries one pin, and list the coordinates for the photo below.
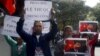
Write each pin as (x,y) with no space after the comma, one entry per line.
(37,27)
(19,41)
(68,31)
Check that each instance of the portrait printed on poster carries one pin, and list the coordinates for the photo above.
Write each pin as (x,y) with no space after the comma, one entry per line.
(75,46)
(88,26)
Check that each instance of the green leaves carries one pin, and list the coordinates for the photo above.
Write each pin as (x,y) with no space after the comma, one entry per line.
(71,11)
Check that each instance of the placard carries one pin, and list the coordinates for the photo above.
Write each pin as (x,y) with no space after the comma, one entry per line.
(88,27)
(75,46)
(38,10)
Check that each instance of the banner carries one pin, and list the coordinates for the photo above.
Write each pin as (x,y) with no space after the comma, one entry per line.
(75,46)
(38,10)
(88,27)
(10,23)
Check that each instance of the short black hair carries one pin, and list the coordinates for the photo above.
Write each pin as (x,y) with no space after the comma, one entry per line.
(37,22)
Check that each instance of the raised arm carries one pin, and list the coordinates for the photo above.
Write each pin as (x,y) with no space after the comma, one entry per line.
(53,31)
(94,40)
(20,31)
(10,41)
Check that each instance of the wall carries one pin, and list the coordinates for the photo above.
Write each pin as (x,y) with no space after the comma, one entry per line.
(4,47)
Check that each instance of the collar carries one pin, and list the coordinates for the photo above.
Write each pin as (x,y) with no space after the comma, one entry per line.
(34,34)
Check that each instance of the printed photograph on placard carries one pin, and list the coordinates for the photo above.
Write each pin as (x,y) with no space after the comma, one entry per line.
(88,26)
(75,46)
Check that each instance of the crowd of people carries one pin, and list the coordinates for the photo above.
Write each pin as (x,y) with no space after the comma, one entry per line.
(38,44)
(32,45)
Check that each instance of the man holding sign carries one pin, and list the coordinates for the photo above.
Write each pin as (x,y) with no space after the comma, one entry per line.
(37,42)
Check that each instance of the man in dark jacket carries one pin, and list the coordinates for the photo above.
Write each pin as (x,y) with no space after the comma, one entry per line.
(38,40)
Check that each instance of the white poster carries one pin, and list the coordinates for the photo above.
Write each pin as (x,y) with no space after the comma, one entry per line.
(38,10)
(10,23)
(88,27)
(9,27)
(75,47)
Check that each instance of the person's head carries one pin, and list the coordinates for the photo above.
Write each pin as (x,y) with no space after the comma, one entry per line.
(19,41)
(68,30)
(38,26)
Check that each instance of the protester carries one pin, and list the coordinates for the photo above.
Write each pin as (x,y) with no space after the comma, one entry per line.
(59,41)
(91,43)
(18,47)
(37,42)
(68,33)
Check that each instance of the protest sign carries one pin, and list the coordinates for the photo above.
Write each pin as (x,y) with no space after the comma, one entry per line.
(88,27)
(75,46)
(10,23)
(38,10)
(9,27)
